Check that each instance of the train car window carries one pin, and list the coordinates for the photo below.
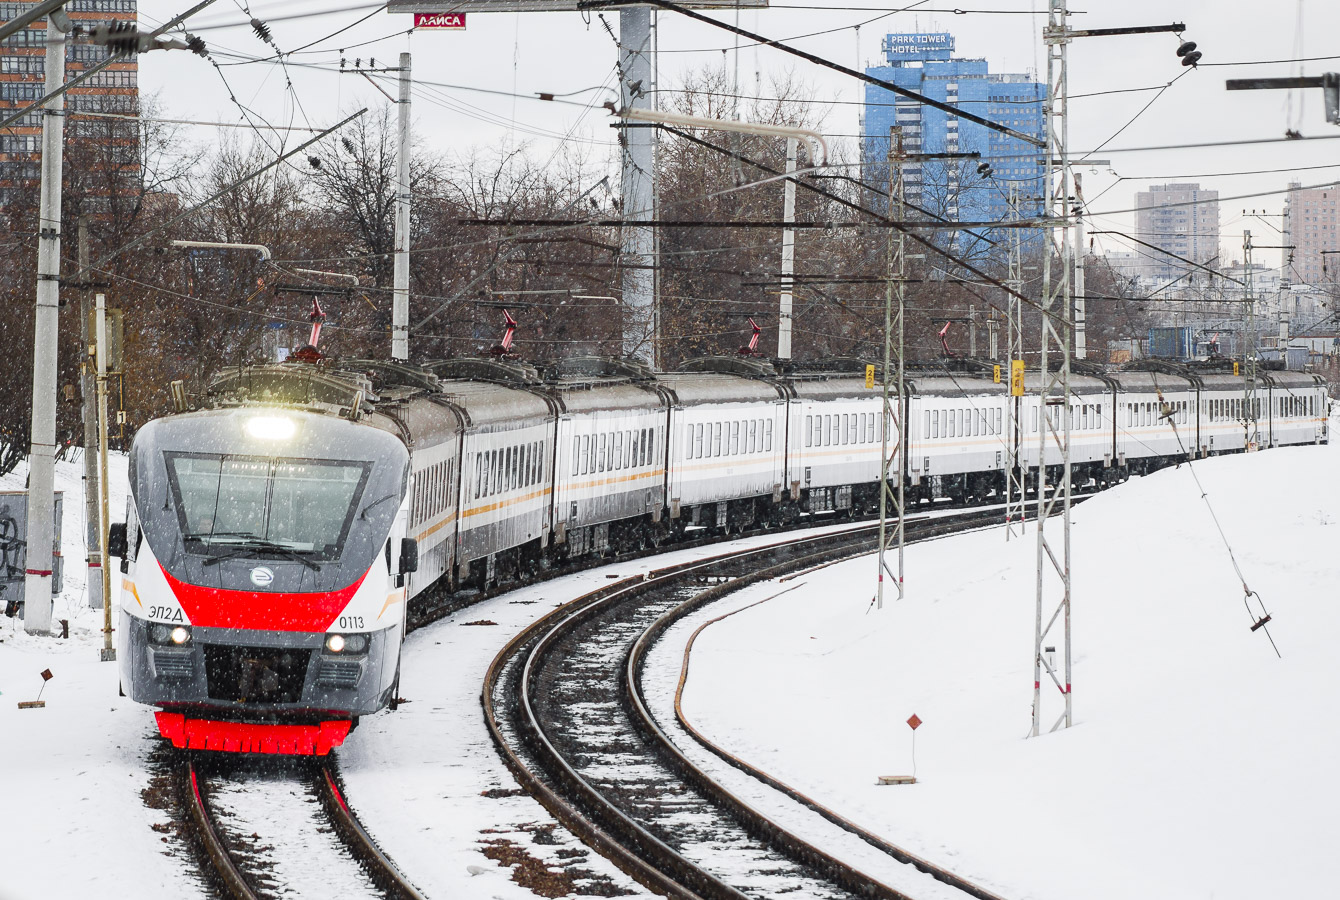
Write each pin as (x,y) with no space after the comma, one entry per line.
(951,423)
(767,434)
(716,439)
(853,430)
(841,437)
(870,428)
(479,476)
(616,460)
(697,441)
(733,443)
(598,451)
(576,455)
(809,431)
(523,470)
(818,431)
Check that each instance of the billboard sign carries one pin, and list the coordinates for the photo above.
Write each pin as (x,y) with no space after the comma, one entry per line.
(454,21)
(420,7)
(918,47)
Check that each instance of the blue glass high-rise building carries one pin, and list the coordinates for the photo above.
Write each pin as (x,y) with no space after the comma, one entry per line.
(954,188)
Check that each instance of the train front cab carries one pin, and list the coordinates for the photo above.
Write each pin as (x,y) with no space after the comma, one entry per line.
(262,604)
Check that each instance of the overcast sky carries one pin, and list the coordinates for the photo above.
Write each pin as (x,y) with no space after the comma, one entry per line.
(560,52)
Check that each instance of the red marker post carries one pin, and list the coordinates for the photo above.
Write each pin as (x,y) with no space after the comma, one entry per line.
(914,723)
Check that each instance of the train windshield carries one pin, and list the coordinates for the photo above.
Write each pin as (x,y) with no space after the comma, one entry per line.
(228,504)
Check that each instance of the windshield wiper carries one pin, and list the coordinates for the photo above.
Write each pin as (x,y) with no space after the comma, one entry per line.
(252,544)
(202,535)
(364,514)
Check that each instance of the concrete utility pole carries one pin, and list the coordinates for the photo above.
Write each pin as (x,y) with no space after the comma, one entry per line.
(788,251)
(400,294)
(89,389)
(639,186)
(42,450)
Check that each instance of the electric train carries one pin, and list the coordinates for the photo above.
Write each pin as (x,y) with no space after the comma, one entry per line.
(277,535)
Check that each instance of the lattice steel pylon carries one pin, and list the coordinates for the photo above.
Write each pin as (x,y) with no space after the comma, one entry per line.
(895,407)
(1053,556)
(1250,412)
(1014,474)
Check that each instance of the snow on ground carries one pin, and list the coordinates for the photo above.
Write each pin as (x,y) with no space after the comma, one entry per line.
(427,781)
(82,815)
(1200,765)
(74,820)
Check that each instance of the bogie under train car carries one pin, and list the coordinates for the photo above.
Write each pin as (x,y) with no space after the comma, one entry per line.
(279,535)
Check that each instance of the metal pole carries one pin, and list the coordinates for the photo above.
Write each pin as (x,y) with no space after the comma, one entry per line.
(400,293)
(104,517)
(1249,341)
(788,251)
(1014,339)
(89,390)
(1054,400)
(41,454)
(891,461)
(1081,306)
(972,331)
(639,167)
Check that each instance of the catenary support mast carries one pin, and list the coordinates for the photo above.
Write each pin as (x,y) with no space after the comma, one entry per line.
(42,450)
(1015,521)
(788,251)
(1250,414)
(891,497)
(1053,544)
(400,294)
(637,145)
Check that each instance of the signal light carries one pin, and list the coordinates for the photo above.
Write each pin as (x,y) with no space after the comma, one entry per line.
(984,169)
(1190,55)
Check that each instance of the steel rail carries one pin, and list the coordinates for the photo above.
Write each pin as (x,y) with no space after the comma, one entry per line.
(634,681)
(358,842)
(232,881)
(592,817)
(344,823)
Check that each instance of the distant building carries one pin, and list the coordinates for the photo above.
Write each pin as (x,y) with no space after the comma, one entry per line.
(954,188)
(1183,221)
(1312,227)
(22,69)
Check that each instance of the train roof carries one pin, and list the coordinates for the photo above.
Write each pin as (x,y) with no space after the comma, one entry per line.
(706,387)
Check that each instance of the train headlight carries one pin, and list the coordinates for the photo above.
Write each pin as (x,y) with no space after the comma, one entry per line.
(169,634)
(271,428)
(346,644)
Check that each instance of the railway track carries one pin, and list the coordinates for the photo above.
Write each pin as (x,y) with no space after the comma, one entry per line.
(564,705)
(282,829)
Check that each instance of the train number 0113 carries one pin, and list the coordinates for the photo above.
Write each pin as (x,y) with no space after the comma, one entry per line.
(350,622)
